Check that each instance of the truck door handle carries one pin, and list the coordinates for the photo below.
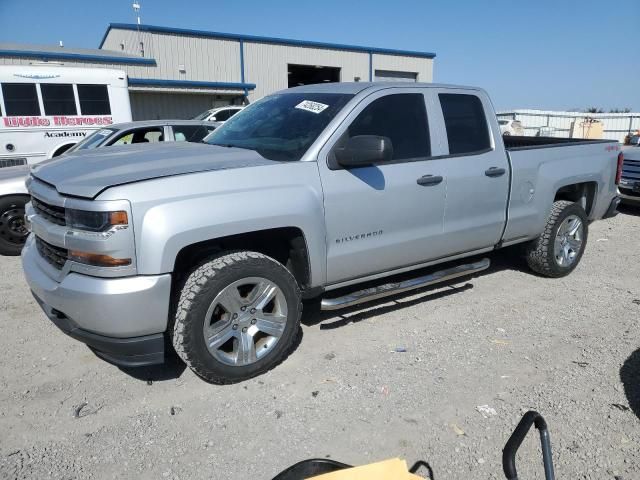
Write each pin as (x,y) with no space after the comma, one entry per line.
(429,180)
(495,172)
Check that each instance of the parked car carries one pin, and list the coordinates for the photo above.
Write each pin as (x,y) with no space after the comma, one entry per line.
(13,193)
(306,193)
(219,115)
(149,131)
(629,187)
(511,127)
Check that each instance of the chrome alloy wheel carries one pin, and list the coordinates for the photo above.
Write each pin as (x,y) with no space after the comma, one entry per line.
(245,321)
(568,241)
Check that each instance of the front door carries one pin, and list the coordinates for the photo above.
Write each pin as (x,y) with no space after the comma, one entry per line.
(389,215)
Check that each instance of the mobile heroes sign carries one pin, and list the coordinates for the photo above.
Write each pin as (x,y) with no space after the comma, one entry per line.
(56,121)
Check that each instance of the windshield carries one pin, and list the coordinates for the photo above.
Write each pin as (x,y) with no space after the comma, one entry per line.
(635,140)
(280,127)
(93,140)
(203,115)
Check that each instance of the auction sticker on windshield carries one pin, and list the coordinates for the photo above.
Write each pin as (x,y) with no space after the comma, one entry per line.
(313,107)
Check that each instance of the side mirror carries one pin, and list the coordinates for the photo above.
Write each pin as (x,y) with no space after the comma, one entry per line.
(364,150)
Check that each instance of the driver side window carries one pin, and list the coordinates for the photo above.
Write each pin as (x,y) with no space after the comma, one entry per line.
(140,135)
(400,117)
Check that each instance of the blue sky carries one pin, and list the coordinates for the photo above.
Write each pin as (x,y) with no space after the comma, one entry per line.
(561,54)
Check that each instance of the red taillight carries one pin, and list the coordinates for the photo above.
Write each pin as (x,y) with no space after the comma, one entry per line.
(619,170)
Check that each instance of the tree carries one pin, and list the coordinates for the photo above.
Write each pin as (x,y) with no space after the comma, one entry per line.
(620,110)
(594,110)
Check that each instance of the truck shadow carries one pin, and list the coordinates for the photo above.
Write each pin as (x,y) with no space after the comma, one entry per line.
(629,210)
(506,259)
(630,377)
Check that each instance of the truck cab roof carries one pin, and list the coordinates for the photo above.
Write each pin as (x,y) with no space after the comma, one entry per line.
(357,87)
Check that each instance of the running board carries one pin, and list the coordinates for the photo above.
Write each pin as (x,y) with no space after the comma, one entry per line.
(374,293)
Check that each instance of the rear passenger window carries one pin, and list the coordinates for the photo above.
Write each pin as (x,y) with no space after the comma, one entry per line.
(401,117)
(20,99)
(466,123)
(189,133)
(223,115)
(58,99)
(94,100)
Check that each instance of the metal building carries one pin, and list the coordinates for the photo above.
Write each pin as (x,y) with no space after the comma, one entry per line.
(178,73)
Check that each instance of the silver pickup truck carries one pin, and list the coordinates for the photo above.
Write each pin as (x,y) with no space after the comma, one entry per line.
(211,249)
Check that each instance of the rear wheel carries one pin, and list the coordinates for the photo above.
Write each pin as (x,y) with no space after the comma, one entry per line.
(558,250)
(237,317)
(13,231)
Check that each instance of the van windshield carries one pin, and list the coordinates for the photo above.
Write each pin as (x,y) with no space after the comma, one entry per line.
(280,127)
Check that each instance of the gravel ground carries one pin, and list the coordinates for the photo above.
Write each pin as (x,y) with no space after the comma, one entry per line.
(568,348)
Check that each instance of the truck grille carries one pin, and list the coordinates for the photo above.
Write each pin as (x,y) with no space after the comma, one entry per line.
(52,213)
(631,169)
(55,256)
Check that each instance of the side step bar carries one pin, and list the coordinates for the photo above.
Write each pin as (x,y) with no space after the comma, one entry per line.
(374,293)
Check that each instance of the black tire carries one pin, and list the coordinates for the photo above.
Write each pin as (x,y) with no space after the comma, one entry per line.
(540,252)
(199,291)
(12,231)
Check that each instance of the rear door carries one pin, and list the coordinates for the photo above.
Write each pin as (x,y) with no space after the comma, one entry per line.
(390,215)
(477,171)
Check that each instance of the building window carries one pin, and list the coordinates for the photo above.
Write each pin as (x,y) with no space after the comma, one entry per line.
(310,74)
(20,99)
(466,123)
(94,100)
(393,76)
(58,99)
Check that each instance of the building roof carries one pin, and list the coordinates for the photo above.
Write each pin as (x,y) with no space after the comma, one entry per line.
(260,39)
(54,52)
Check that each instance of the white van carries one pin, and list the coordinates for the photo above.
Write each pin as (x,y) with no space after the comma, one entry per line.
(45,110)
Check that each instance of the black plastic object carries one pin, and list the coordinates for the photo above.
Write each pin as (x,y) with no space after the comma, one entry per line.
(310,468)
(513,444)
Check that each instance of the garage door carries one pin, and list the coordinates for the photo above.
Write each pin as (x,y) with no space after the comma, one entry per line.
(393,76)
(156,106)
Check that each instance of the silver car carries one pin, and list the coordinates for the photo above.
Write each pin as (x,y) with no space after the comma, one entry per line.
(13,193)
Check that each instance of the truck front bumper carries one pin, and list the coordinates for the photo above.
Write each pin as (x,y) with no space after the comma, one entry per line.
(122,320)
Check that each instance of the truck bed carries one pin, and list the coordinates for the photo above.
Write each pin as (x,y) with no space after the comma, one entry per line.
(525,143)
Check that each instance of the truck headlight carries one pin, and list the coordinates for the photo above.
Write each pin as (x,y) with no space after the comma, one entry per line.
(95,221)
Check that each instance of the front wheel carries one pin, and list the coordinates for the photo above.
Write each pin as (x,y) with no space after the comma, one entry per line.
(237,317)
(558,250)
(13,231)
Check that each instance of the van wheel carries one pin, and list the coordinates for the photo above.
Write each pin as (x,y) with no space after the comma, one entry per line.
(13,231)
(558,250)
(237,317)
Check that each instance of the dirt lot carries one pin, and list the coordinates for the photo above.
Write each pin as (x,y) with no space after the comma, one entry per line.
(569,348)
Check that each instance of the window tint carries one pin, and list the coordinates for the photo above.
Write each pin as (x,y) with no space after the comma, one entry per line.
(401,117)
(141,135)
(94,100)
(20,99)
(466,123)
(223,115)
(190,133)
(58,99)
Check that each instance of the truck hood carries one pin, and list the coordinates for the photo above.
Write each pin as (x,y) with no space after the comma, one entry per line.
(87,173)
